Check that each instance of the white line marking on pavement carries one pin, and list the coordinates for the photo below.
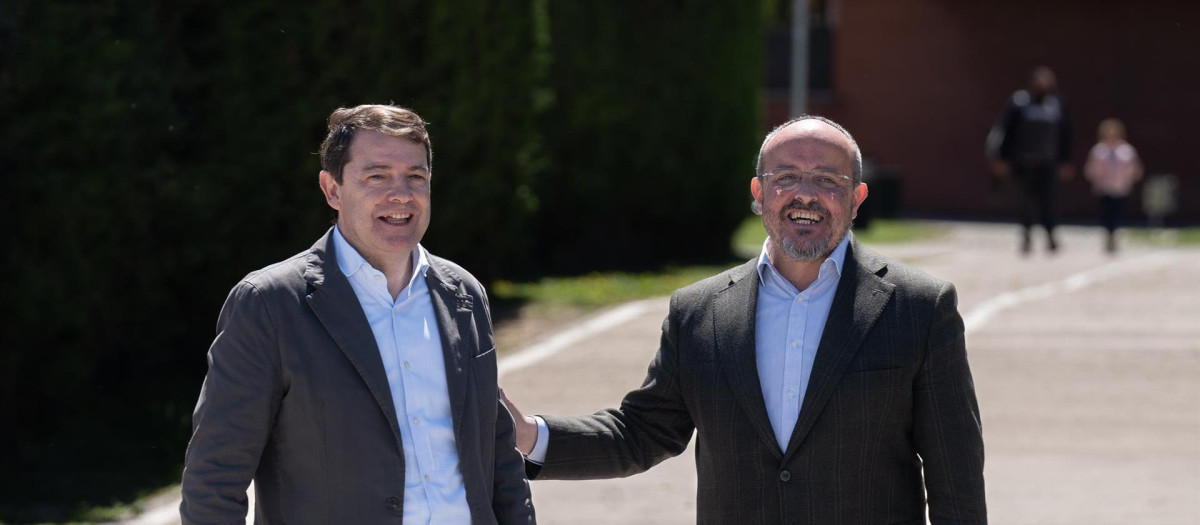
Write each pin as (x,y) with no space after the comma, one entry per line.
(979,316)
(559,342)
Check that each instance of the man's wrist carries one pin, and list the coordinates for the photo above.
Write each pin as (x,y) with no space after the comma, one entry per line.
(538,455)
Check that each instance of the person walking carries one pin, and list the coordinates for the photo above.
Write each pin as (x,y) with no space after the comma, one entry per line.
(1113,167)
(1031,143)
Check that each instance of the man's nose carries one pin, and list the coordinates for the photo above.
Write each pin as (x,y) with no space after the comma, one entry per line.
(400,191)
(806,190)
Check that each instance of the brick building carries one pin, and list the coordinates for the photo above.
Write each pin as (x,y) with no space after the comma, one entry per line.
(920,82)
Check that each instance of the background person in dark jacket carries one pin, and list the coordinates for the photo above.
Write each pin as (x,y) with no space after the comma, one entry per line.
(1031,143)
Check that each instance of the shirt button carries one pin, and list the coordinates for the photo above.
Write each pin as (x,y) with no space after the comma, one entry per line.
(406,365)
(795,344)
(394,504)
(416,421)
(426,478)
(378,277)
(791,394)
(784,476)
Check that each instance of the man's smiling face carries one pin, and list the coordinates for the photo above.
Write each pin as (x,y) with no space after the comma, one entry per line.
(807,221)
(383,200)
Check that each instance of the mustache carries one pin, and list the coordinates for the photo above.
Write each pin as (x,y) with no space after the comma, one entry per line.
(812,206)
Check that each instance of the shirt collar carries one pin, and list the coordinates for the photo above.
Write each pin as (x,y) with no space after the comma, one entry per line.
(350,261)
(835,260)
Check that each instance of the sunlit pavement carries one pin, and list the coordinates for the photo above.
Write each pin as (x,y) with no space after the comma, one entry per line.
(1087,368)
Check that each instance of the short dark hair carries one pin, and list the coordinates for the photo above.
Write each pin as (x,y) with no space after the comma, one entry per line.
(389,120)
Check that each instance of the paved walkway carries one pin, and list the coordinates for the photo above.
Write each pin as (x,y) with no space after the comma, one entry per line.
(1087,369)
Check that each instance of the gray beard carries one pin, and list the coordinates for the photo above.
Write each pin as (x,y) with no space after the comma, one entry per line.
(811,252)
(814,251)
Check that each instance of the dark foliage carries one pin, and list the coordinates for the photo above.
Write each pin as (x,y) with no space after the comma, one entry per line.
(656,127)
(155,152)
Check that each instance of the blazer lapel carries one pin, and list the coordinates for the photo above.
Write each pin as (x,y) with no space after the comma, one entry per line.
(860,298)
(335,305)
(733,320)
(453,307)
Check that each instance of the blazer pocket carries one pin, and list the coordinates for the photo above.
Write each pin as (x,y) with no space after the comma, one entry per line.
(483,369)
(483,379)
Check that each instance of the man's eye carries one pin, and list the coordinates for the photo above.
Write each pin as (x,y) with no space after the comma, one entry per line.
(787,179)
(826,180)
(375,176)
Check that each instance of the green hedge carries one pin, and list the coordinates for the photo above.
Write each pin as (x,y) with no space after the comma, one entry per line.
(155,152)
(656,124)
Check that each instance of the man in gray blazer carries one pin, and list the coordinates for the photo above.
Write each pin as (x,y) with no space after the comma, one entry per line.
(825,384)
(356,381)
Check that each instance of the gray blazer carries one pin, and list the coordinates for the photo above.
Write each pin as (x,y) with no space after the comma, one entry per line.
(296,398)
(890,411)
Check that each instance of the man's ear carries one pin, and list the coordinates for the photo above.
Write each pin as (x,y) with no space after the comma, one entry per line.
(331,189)
(756,191)
(860,195)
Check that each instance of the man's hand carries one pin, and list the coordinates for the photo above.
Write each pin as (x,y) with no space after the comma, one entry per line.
(526,426)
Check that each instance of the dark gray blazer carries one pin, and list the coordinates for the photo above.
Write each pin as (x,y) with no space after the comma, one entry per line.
(890,398)
(296,398)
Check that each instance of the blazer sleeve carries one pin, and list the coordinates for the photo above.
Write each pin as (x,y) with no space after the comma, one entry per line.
(238,402)
(512,501)
(947,430)
(652,424)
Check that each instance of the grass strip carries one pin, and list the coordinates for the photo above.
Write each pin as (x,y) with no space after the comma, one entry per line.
(748,239)
(1166,237)
(599,289)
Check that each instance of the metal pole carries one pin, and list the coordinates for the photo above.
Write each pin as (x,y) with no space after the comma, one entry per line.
(799,91)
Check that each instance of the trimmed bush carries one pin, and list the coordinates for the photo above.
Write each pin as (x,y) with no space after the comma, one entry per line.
(653,133)
(156,152)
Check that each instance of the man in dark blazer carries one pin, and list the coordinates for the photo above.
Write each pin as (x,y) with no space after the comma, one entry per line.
(826,384)
(356,381)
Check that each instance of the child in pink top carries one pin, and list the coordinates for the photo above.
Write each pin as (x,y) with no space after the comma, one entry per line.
(1113,168)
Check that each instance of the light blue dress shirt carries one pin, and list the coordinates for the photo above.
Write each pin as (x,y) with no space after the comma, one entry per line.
(788,329)
(410,344)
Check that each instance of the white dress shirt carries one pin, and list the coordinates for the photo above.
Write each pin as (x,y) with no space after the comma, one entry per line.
(788,328)
(410,344)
